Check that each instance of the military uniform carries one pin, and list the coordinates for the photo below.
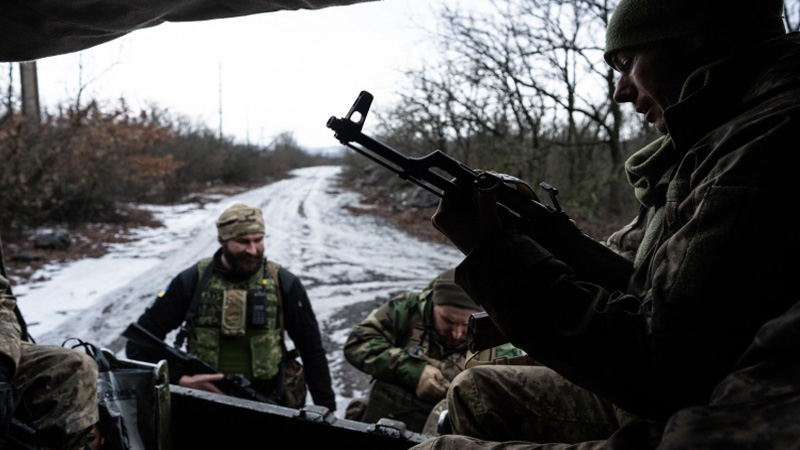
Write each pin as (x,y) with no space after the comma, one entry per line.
(235,317)
(394,344)
(256,352)
(55,388)
(701,351)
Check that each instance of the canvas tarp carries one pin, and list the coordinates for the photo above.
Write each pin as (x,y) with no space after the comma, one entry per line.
(33,29)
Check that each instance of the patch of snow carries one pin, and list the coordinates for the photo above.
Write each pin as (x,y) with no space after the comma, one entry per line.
(342,259)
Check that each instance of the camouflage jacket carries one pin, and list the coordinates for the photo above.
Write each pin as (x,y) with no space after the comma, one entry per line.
(10,329)
(703,333)
(397,340)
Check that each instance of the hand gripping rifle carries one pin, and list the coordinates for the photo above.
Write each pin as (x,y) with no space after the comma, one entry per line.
(548,225)
(236,385)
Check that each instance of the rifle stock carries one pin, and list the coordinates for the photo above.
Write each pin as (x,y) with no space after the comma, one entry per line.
(236,384)
(482,333)
(549,226)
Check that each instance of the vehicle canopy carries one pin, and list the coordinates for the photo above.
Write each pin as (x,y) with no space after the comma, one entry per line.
(34,29)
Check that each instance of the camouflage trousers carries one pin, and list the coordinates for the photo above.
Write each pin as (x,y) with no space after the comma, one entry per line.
(387,400)
(755,406)
(522,406)
(55,391)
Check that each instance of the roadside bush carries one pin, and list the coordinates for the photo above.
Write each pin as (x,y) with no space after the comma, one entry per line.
(91,164)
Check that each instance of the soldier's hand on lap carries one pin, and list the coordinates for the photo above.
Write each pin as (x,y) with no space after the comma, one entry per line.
(432,385)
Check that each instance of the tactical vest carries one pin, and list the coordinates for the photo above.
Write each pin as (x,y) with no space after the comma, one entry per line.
(238,327)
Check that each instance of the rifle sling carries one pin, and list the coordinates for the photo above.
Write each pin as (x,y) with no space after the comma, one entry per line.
(192,310)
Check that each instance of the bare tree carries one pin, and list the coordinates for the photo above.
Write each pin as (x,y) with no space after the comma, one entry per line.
(83,85)
(522,87)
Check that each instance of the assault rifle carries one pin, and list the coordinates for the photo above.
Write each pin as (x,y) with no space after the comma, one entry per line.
(236,385)
(442,175)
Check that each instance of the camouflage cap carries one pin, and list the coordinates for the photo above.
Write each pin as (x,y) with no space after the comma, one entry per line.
(447,292)
(636,23)
(239,220)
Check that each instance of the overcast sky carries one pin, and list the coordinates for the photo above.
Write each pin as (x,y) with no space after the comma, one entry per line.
(269,73)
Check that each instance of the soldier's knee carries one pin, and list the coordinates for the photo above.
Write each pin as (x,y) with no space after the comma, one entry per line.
(463,385)
(83,364)
(471,377)
(78,377)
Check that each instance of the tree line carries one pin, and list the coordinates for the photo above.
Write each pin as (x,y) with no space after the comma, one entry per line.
(91,163)
(521,87)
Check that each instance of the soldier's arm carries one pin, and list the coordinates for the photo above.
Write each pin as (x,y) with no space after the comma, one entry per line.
(165,314)
(10,330)
(302,326)
(373,346)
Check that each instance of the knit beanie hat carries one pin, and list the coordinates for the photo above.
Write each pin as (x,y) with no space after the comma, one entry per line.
(239,220)
(447,292)
(636,23)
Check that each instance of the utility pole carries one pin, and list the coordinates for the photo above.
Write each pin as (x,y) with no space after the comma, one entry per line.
(29,82)
(220,102)
(10,97)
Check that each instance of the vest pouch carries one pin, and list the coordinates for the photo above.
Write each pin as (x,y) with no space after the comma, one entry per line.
(257,305)
(294,387)
(266,354)
(205,345)
(234,312)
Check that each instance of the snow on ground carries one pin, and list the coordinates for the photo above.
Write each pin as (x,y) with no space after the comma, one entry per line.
(343,260)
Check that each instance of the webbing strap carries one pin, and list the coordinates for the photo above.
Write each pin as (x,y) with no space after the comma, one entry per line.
(489,357)
(192,310)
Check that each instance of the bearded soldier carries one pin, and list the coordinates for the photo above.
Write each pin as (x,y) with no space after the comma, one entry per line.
(236,306)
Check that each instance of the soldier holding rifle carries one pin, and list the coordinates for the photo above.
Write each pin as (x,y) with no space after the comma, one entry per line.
(701,349)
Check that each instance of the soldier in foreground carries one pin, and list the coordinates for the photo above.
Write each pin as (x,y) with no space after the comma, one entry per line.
(51,389)
(413,346)
(236,306)
(702,349)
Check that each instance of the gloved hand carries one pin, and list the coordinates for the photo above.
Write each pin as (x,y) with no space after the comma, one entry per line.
(432,385)
(466,224)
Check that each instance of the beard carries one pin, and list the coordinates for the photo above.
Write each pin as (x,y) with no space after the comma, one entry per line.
(450,343)
(243,264)
(446,341)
